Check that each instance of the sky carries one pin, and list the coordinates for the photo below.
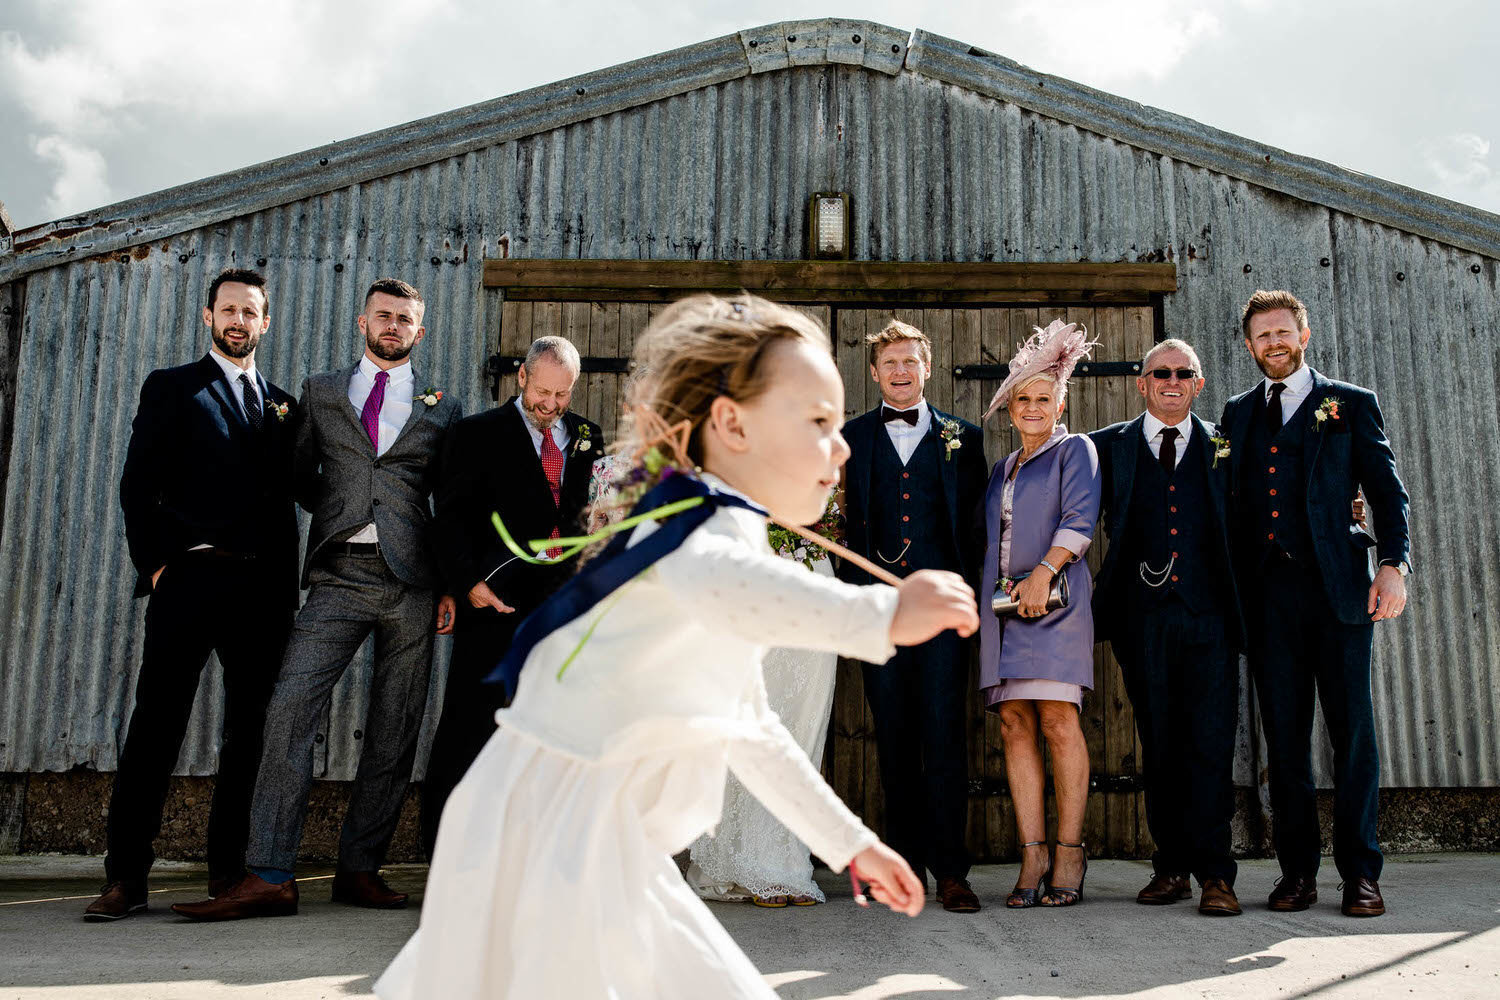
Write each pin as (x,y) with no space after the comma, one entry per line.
(102,101)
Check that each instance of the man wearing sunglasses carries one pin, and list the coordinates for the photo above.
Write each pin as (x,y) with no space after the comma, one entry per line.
(1166,601)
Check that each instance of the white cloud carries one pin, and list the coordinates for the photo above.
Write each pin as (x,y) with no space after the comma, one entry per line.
(81,181)
(1460,163)
(1106,41)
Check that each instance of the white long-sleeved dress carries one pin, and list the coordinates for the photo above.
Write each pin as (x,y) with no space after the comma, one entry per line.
(553,874)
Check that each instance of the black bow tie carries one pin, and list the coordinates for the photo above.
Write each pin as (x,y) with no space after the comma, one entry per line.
(910,416)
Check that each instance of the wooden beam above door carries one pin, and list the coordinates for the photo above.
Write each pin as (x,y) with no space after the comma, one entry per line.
(844,282)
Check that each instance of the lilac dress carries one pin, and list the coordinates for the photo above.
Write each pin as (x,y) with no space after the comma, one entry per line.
(1053,500)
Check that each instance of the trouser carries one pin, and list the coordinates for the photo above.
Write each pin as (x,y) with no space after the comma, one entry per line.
(1183,681)
(917,699)
(1298,646)
(351,596)
(480,638)
(204,602)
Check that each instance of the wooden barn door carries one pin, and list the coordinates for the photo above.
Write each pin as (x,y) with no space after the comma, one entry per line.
(1115,823)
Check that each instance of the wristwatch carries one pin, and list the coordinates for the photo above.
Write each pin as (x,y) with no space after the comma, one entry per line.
(1401,565)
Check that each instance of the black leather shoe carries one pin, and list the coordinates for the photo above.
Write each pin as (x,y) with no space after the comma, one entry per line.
(1293,893)
(1362,898)
(1164,889)
(366,889)
(116,901)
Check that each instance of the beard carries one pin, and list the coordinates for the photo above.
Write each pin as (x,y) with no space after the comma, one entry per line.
(540,421)
(227,347)
(1293,361)
(387,352)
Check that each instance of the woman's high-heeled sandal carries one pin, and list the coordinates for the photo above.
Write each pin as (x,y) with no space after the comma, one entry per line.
(1065,896)
(1019,898)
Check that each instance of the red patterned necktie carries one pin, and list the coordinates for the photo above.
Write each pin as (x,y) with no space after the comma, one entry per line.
(552,465)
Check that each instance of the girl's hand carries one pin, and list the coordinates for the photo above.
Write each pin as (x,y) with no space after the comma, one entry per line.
(932,601)
(891,879)
(1032,592)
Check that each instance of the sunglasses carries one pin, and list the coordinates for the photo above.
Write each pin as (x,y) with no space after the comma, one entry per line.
(1162,374)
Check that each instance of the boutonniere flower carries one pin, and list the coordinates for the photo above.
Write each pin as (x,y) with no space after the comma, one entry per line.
(1221,448)
(1327,410)
(584,441)
(948,432)
(431,396)
(280,410)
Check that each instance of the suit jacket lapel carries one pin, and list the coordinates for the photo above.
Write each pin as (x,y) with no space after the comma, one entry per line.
(878,429)
(946,466)
(1239,432)
(1312,437)
(218,385)
(1127,447)
(418,413)
(530,461)
(340,389)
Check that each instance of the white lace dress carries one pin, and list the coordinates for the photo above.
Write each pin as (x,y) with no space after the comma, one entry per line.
(752,852)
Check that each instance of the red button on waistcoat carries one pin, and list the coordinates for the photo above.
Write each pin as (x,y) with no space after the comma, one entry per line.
(1174,510)
(1171,489)
(1273,493)
(1174,555)
(1174,578)
(906,541)
(1174,531)
(906,475)
(1273,449)
(903,562)
(1275,513)
(906,517)
(906,496)
(1272,470)
(1271,536)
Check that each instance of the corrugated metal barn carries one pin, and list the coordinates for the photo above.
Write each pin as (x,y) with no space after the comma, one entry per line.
(983,197)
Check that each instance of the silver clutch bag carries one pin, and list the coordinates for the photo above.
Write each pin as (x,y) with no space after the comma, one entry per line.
(1004,604)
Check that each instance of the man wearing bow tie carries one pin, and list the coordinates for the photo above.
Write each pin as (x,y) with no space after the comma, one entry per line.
(366,463)
(1301,447)
(212,529)
(912,490)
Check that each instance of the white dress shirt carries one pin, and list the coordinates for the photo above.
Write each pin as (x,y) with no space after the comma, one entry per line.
(560,435)
(395,410)
(906,436)
(1298,385)
(232,373)
(1152,429)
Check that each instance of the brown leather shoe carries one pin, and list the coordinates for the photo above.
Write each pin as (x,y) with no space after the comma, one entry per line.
(1216,898)
(218,886)
(251,896)
(1293,893)
(1362,898)
(1164,889)
(956,896)
(116,901)
(367,889)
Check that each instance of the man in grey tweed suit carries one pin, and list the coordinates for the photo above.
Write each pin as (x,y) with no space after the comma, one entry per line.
(367,459)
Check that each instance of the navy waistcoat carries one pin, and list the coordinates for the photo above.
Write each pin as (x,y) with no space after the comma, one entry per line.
(908,517)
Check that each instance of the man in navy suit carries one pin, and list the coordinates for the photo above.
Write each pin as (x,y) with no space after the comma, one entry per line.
(1166,601)
(209,518)
(912,491)
(1301,447)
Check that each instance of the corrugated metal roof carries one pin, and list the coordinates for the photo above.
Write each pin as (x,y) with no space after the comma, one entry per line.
(937,171)
(829,41)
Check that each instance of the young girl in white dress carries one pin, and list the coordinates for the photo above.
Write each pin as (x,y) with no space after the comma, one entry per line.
(553,875)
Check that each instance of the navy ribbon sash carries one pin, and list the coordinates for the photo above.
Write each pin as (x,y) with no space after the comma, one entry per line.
(616,566)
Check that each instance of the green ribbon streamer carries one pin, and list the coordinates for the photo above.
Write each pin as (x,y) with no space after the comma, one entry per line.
(575,544)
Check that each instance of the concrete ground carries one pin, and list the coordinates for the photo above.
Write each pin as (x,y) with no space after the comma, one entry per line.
(1441,938)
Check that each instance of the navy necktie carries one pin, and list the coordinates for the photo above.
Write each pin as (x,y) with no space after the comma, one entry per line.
(1273,408)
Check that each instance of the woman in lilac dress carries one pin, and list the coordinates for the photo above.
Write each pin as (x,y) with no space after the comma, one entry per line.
(1040,513)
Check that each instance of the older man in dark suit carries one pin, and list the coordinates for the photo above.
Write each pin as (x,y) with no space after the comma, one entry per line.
(366,463)
(1166,601)
(207,495)
(1301,447)
(912,489)
(529,461)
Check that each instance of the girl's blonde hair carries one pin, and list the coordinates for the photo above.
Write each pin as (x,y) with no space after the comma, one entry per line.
(704,347)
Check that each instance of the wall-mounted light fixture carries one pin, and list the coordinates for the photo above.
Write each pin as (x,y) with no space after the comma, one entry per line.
(828,226)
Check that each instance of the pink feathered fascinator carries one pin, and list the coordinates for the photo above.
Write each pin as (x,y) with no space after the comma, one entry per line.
(1052,352)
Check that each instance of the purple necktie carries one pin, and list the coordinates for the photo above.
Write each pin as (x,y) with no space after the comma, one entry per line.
(370,415)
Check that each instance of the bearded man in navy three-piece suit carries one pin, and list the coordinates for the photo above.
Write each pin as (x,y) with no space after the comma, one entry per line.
(1301,447)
